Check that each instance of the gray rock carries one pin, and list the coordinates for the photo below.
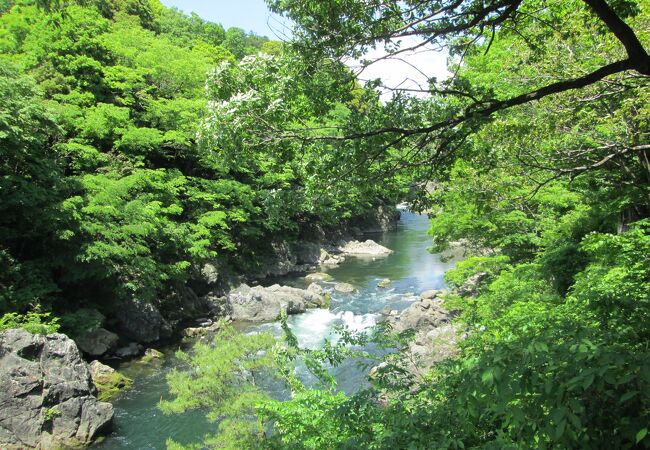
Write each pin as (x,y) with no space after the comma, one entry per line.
(142,322)
(367,248)
(307,252)
(328,259)
(345,288)
(210,273)
(97,342)
(47,398)
(263,304)
(422,315)
(384,283)
(471,285)
(319,276)
(131,350)
(430,294)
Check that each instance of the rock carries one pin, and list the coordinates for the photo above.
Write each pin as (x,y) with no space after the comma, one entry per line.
(345,288)
(382,219)
(307,253)
(47,399)
(131,350)
(109,382)
(210,273)
(327,259)
(471,285)
(430,294)
(261,304)
(367,248)
(319,276)
(424,314)
(142,322)
(97,342)
(384,283)
(152,353)
(203,322)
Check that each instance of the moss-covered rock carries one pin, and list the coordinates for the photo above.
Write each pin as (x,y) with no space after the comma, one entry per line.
(384,283)
(108,381)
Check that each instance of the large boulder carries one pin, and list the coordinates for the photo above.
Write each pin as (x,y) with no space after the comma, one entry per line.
(47,399)
(263,304)
(142,322)
(422,315)
(367,248)
(97,342)
(109,382)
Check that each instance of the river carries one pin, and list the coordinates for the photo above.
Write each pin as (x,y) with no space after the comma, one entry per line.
(411,268)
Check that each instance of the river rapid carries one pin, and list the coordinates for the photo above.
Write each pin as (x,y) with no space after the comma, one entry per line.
(138,423)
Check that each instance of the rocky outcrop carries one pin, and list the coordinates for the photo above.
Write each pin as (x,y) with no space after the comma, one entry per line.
(382,219)
(109,382)
(367,248)
(435,336)
(47,399)
(142,322)
(422,316)
(262,304)
(97,342)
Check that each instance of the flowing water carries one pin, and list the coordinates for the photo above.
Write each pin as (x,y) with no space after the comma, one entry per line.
(140,425)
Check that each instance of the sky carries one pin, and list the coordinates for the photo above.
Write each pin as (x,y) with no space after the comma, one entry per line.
(407,71)
(250,15)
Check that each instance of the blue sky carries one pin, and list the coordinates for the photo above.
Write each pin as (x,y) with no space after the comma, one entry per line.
(250,15)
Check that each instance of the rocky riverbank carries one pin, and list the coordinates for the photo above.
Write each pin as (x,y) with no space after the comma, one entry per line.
(222,294)
(48,399)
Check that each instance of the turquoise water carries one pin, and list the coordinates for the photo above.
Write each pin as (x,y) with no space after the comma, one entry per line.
(140,425)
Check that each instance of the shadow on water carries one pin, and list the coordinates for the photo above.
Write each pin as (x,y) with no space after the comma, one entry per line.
(139,424)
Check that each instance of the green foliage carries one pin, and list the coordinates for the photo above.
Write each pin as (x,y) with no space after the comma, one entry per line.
(221,378)
(107,192)
(34,322)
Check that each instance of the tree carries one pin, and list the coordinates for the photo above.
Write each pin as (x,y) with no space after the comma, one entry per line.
(350,28)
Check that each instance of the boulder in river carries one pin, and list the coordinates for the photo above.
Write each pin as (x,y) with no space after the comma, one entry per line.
(97,342)
(345,288)
(48,399)
(262,304)
(107,380)
(129,351)
(142,322)
(367,248)
(319,276)
(384,283)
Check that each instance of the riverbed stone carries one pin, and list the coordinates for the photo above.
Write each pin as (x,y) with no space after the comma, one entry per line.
(97,342)
(345,288)
(261,304)
(109,382)
(319,276)
(384,283)
(47,399)
(129,351)
(142,322)
(367,248)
